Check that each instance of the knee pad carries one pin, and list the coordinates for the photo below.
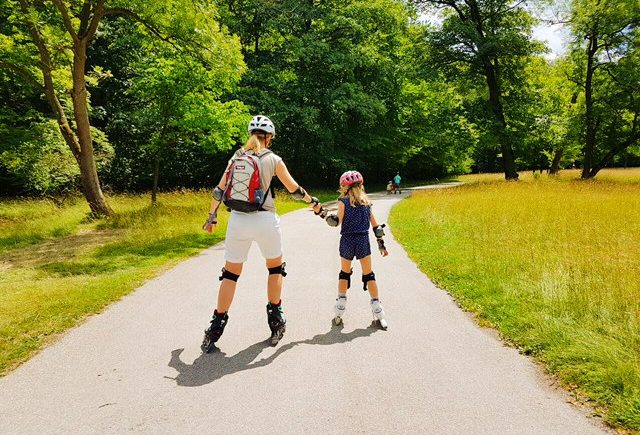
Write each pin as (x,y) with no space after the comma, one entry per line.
(346,276)
(278,270)
(366,278)
(228,275)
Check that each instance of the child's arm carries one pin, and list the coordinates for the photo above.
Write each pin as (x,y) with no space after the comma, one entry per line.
(336,219)
(379,233)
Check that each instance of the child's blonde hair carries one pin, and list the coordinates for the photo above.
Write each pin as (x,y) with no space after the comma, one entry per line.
(355,193)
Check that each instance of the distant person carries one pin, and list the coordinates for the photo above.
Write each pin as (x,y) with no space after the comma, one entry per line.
(253,218)
(396,183)
(355,217)
(390,187)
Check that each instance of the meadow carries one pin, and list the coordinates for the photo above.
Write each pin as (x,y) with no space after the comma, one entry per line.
(552,263)
(57,266)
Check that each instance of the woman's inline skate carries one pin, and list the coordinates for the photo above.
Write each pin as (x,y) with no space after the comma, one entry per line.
(277,322)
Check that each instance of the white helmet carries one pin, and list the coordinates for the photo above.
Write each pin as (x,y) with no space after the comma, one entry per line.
(262,123)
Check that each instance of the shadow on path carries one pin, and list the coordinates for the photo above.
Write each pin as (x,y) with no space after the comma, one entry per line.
(210,367)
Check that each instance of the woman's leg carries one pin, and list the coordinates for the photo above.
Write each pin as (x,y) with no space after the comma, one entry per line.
(274,283)
(372,286)
(228,287)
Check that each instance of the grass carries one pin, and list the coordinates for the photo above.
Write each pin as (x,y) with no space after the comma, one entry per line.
(553,264)
(57,267)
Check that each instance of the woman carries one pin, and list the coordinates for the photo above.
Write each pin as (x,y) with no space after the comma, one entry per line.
(262,226)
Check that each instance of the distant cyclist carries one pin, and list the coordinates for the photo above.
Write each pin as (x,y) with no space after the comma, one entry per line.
(396,183)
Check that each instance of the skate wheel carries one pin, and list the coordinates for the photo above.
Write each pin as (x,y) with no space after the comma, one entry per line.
(277,336)
(337,320)
(208,346)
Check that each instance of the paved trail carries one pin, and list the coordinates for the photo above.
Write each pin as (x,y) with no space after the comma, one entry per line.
(138,367)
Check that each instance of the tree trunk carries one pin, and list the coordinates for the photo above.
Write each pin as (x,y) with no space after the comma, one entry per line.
(508,158)
(590,124)
(555,163)
(495,99)
(156,177)
(88,172)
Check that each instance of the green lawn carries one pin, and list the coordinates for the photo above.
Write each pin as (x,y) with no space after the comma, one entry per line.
(57,267)
(553,264)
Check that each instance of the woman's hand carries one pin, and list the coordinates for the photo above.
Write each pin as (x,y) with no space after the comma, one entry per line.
(317,207)
(211,223)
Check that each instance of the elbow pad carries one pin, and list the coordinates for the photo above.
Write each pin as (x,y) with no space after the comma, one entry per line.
(332,220)
(217,193)
(378,231)
(299,194)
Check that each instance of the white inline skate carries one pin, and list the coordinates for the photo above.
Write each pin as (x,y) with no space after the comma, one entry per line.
(378,313)
(339,309)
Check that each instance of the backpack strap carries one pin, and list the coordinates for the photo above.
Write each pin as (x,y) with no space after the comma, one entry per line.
(270,187)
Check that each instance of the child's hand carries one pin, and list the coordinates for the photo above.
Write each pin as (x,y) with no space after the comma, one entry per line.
(382,248)
(317,207)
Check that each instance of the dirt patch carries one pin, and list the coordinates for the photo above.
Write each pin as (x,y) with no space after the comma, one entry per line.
(60,249)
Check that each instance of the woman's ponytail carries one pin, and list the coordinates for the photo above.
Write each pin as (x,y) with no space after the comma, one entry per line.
(254,144)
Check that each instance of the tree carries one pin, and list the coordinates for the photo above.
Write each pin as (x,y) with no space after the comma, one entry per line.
(330,74)
(487,38)
(48,43)
(605,53)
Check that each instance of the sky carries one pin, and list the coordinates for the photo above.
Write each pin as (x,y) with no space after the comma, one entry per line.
(555,36)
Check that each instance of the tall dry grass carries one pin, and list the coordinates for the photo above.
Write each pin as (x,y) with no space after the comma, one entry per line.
(554,264)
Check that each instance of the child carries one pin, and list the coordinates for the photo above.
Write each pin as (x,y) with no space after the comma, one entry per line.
(355,216)
(390,187)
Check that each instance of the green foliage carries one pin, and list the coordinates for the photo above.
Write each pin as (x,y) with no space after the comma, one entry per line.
(37,157)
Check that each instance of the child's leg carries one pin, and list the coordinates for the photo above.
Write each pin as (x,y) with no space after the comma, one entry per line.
(344,279)
(372,286)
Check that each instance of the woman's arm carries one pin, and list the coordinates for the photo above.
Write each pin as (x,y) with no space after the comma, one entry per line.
(218,191)
(294,188)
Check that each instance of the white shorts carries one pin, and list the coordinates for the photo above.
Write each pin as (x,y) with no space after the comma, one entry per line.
(244,228)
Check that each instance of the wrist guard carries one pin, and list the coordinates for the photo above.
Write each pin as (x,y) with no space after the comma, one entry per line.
(333,220)
(378,231)
(217,193)
(212,220)
(299,194)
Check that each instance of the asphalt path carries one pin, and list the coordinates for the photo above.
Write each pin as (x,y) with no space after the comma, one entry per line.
(138,367)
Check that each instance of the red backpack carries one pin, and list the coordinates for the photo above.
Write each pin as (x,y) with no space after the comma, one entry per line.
(244,192)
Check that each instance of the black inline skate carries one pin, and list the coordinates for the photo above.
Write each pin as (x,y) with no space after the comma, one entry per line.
(214,332)
(277,322)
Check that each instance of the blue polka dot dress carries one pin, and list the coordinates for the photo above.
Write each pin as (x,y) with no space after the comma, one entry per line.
(355,231)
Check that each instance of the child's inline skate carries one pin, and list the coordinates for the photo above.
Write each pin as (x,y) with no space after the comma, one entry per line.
(277,322)
(378,313)
(339,309)
(214,332)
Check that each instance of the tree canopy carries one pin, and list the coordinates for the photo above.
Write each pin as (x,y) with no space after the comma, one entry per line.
(154,95)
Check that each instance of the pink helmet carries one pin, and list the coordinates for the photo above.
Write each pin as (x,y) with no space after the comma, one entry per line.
(351,177)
